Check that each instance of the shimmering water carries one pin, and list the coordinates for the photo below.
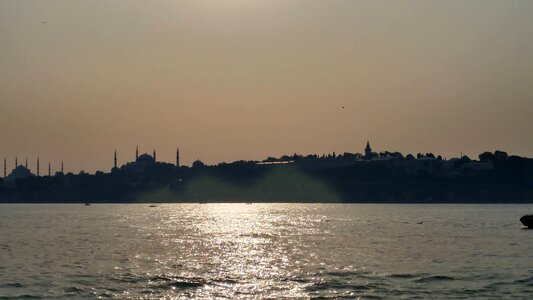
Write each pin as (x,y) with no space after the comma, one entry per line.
(265,251)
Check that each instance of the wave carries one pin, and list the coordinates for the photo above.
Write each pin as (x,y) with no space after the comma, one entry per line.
(434,278)
(14,284)
(74,289)
(181,285)
(524,280)
(21,297)
(341,273)
(164,281)
(404,276)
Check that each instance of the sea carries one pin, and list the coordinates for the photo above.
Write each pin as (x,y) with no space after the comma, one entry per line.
(265,251)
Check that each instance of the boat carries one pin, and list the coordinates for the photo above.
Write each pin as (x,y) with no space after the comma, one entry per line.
(527,220)
(153,205)
(87,204)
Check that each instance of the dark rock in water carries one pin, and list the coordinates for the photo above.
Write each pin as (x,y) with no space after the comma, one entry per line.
(527,220)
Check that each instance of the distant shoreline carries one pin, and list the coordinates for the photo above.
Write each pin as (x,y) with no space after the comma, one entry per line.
(348,178)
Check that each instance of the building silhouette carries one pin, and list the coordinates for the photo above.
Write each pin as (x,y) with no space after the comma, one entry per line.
(145,158)
(19,172)
(368,151)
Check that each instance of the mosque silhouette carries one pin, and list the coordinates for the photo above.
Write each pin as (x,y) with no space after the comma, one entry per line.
(140,163)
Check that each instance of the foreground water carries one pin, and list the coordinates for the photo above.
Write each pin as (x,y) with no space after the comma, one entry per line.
(265,251)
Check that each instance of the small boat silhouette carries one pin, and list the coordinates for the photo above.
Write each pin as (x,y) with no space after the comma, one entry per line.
(527,220)
(87,204)
(153,205)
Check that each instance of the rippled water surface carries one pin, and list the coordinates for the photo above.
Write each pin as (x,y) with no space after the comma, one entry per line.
(265,251)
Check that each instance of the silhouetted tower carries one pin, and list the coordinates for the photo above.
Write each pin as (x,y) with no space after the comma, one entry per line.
(5,167)
(115,158)
(16,162)
(62,168)
(37,165)
(154,155)
(49,169)
(26,164)
(368,151)
(178,157)
(137,153)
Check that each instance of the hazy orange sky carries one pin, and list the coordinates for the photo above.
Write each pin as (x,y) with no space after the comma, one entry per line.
(242,79)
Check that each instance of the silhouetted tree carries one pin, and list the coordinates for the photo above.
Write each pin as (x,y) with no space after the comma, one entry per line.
(348,155)
(500,155)
(285,158)
(486,157)
(461,161)
(397,154)
(295,156)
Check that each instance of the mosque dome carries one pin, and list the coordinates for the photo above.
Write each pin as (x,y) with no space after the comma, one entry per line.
(19,172)
(145,158)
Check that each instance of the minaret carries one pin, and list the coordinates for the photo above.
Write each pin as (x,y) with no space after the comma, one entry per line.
(37,165)
(115,158)
(178,157)
(154,156)
(26,165)
(49,169)
(137,153)
(16,162)
(62,167)
(5,167)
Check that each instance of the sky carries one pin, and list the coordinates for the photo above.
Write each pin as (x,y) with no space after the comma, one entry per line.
(226,80)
